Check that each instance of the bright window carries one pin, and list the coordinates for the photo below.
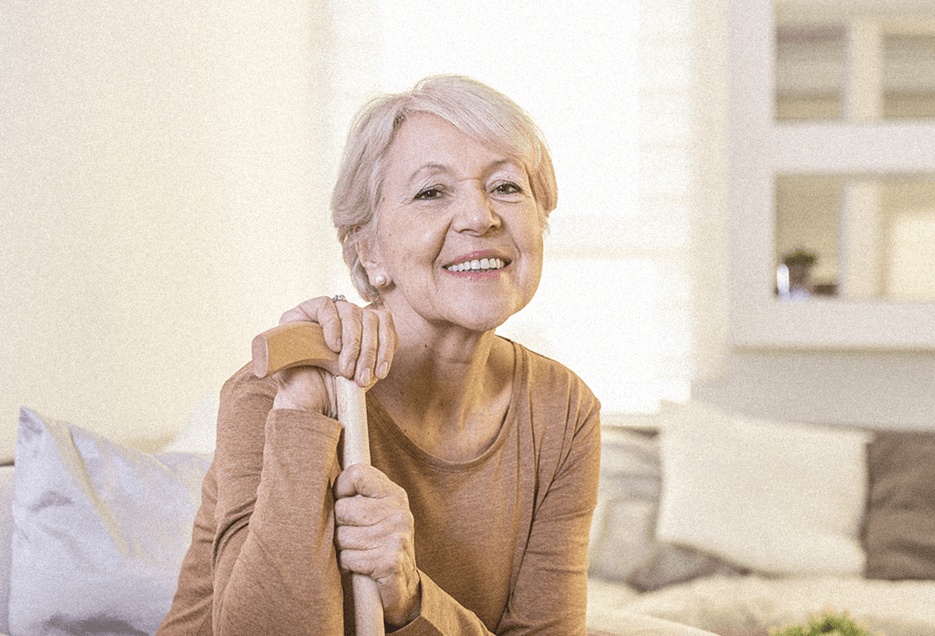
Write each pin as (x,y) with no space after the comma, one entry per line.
(612,340)
(615,302)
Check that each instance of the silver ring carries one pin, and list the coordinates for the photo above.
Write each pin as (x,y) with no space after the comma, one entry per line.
(338,297)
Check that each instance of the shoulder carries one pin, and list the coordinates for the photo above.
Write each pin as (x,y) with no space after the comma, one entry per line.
(245,402)
(560,410)
(244,385)
(562,417)
(550,382)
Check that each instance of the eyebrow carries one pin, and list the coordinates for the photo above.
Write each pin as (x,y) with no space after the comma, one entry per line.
(434,166)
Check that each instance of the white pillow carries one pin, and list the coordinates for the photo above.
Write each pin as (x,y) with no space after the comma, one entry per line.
(199,435)
(100,531)
(776,498)
(623,545)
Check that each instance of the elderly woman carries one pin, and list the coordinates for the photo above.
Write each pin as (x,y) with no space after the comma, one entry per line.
(474,516)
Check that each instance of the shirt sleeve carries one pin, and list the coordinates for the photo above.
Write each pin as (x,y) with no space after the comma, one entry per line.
(442,615)
(550,594)
(275,566)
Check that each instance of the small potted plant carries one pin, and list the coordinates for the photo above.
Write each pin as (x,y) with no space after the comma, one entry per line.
(800,264)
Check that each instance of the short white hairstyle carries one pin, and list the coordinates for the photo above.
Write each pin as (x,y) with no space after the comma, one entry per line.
(474,108)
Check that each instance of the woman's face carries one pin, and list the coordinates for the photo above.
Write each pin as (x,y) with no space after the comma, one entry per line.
(459,233)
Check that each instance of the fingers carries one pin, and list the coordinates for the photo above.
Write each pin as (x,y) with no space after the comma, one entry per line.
(371,514)
(352,326)
(388,557)
(366,481)
(389,343)
(370,342)
(374,536)
(364,337)
(373,550)
(322,310)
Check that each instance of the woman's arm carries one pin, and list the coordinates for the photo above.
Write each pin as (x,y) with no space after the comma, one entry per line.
(275,562)
(275,569)
(551,590)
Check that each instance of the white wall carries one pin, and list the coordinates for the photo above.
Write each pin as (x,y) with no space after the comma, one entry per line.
(163,185)
(880,390)
(160,201)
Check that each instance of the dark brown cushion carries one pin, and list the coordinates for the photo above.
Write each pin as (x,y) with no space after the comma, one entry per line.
(899,528)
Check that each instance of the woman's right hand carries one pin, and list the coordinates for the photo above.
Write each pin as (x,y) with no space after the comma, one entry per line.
(363,337)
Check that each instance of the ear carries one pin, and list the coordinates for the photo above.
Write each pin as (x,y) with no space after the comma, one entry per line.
(369,254)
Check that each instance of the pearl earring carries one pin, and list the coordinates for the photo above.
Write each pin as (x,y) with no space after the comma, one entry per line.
(379,280)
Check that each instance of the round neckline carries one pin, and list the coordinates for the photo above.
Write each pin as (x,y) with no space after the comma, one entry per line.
(386,421)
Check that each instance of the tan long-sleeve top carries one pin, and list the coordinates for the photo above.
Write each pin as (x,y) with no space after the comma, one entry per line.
(501,541)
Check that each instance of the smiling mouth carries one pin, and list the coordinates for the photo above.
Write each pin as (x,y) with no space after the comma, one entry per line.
(478,265)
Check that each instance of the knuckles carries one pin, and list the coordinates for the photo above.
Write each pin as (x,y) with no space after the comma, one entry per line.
(381,556)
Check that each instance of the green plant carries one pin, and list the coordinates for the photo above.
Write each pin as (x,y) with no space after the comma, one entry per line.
(799,257)
(824,624)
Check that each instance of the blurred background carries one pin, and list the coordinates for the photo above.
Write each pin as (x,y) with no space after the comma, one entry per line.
(165,172)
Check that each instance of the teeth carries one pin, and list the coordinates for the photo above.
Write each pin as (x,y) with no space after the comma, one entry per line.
(477,265)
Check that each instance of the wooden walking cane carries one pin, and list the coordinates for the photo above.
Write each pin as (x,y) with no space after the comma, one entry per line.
(302,344)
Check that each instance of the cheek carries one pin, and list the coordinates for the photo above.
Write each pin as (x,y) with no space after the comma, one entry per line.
(535,274)
(408,241)
(533,233)
(531,244)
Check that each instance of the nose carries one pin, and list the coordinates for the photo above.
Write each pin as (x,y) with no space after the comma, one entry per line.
(475,212)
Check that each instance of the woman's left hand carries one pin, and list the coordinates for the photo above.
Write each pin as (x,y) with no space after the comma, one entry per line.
(375,537)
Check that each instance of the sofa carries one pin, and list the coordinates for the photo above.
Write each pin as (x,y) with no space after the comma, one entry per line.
(738,525)
(707,522)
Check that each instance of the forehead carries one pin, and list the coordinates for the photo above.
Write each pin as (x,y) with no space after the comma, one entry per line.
(426,141)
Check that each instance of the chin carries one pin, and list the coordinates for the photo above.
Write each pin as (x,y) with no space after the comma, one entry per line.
(488,321)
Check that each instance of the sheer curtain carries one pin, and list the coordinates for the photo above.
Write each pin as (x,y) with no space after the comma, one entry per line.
(629,96)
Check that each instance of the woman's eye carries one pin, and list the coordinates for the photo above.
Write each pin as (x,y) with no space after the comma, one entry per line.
(507,188)
(430,193)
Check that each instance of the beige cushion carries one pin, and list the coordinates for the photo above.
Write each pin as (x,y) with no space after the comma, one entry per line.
(777,498)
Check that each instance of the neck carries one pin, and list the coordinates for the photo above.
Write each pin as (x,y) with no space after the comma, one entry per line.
(448,390)
(441,373)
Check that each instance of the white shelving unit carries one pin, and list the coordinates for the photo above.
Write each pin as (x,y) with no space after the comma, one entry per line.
(860,143)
